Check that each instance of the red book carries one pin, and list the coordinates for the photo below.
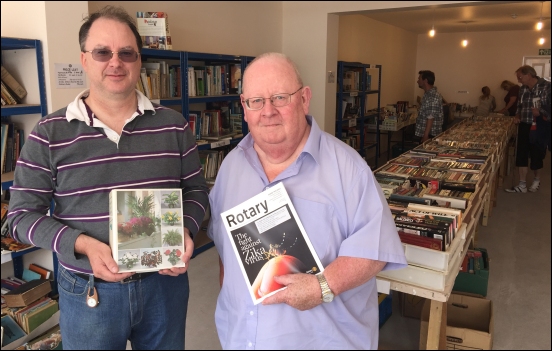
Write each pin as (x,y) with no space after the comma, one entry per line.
(464,266)
(44,273)
(423,241)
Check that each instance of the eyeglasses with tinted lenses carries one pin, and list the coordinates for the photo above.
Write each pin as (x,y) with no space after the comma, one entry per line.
(104,55)
(277,100)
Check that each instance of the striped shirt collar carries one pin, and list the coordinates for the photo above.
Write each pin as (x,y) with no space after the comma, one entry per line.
(78,109)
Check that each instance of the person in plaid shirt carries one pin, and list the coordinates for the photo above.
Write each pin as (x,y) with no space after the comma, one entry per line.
(533,119)
(430,116)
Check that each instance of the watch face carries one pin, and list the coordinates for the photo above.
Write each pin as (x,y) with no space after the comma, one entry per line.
(328,297)
(91,302)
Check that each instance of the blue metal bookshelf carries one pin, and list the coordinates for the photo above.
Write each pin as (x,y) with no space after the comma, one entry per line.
(360,93)
(26,109)
(16,44)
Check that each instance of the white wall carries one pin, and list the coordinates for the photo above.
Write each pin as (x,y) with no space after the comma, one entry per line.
(362,39)
(218,27)
(489,58)
(56,25)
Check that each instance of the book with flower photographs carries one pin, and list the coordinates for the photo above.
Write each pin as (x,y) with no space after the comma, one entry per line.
(146,229)
(269,239)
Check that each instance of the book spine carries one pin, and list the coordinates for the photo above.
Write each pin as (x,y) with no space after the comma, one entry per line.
(13,85)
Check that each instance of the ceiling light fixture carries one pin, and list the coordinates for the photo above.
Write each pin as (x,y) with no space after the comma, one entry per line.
(432,31)
(542,41)
(465,41)
(539,23)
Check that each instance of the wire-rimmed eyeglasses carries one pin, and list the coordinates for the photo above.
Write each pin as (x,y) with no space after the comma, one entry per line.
(104,55)
(277,100)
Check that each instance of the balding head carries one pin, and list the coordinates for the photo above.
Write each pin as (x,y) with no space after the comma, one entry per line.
(274,57)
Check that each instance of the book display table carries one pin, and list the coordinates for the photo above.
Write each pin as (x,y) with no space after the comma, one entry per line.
(430,273)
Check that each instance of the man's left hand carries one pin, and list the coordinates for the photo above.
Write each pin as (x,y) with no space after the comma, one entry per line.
(303,291)
(535,111)
(186,256)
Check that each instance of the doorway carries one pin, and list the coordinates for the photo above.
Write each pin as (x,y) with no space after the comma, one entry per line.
(541,64)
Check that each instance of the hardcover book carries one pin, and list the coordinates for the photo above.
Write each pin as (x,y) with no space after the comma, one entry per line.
(13,84)
(269,239)
(27,293)
(44,273)
(146,229)
(35,318)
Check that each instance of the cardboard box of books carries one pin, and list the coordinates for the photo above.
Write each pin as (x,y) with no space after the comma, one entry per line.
(469,323)
(269,239)
(146,229)
(17,336)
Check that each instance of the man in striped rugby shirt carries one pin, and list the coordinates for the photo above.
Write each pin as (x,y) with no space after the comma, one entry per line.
(111,136)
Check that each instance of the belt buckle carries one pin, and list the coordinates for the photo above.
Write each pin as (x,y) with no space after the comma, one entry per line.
(132,278)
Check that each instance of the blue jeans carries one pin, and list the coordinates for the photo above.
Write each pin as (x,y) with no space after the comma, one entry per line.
(151,313)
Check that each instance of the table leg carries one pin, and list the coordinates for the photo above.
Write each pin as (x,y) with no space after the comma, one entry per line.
(436,335)
(389,145)
(487,207)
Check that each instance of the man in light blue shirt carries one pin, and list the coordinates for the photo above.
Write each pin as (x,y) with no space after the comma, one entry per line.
(340,205)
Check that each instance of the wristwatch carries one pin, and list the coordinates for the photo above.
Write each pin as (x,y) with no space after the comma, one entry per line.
(327,294)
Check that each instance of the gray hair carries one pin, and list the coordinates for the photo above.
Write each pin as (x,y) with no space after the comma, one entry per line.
(527,70)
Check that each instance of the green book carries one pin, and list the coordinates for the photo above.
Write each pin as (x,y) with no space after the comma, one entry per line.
(36,318)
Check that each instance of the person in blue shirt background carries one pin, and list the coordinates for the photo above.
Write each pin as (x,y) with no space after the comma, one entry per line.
(341,207)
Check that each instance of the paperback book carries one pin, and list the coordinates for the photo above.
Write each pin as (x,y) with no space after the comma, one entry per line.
(153,27)
(146,229)
(269,239)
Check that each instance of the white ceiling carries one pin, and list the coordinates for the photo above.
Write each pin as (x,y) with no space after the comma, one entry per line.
(483,16)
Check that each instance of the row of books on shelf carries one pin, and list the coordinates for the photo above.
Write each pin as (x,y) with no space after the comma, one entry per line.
(213,125)
(214,80)
(12,139)
(426,174)
(12,92)
(426,190)
(352,80)
(210,163)
(161,80)
(433,150)
(158,80)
